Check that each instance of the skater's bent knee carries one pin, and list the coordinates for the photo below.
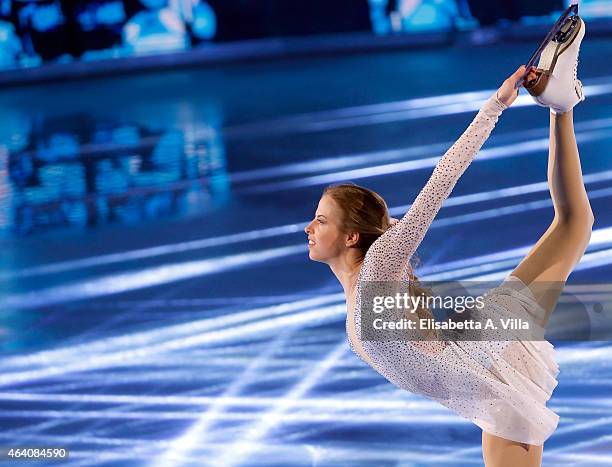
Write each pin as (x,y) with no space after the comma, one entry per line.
(500,452)
(582,220)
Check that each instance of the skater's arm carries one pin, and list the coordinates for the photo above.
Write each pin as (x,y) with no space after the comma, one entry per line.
(390,253)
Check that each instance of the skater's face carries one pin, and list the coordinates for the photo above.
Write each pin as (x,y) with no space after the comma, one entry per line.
(325,240)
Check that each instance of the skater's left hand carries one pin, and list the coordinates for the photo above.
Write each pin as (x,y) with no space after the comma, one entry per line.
(509,91)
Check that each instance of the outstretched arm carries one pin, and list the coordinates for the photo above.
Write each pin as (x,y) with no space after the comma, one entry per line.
(390,254)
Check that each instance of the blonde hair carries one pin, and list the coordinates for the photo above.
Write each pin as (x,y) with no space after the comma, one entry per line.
(366,212)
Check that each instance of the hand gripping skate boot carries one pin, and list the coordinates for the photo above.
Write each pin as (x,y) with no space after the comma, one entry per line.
(556,85)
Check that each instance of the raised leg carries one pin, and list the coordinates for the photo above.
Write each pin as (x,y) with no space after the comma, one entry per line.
(549,263)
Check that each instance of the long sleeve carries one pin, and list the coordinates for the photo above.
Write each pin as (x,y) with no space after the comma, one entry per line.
(391,253)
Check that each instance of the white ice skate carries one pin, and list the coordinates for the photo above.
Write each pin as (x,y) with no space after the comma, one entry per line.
(556,84)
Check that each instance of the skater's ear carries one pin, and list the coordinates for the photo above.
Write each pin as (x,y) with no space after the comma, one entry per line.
(352,239)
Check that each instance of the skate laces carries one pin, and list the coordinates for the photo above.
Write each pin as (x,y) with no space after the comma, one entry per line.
(577,82)
(576,67)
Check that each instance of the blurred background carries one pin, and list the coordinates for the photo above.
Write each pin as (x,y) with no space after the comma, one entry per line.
(37,32)
(159,161)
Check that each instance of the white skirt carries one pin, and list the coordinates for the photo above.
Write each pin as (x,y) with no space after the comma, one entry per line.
(500,385)
(526,370)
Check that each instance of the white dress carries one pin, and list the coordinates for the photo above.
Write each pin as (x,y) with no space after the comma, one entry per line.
(501,386)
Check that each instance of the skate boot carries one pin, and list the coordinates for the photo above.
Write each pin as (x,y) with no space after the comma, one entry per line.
(555,84)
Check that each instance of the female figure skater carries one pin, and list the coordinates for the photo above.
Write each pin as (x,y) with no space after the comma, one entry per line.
(502,387)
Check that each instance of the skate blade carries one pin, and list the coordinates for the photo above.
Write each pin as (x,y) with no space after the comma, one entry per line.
(572,9)
(569,31)
(548,59)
